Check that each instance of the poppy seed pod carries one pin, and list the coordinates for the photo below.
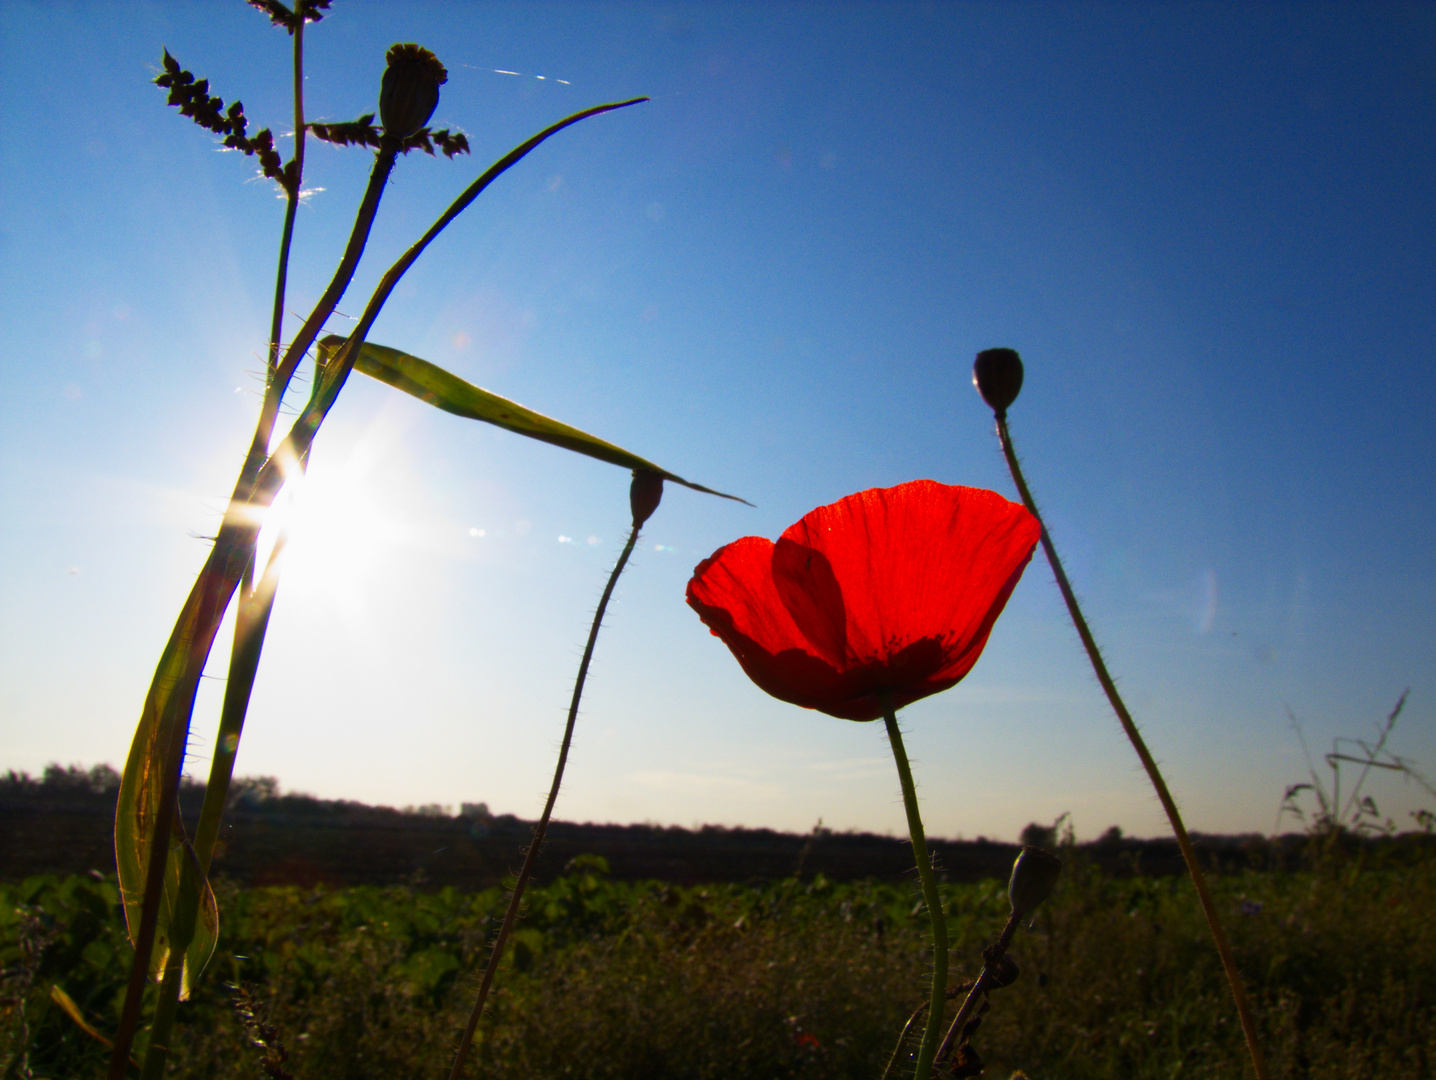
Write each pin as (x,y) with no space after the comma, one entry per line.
(644,495)
(409,93)
(997,374)
(1034,876)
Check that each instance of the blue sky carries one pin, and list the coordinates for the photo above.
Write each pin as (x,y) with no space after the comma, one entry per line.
(1210,229)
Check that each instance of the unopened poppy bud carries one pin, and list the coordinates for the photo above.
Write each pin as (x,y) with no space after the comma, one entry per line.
(409,93)
(1034,876)
(998,377)
(644,494)
(1003,971)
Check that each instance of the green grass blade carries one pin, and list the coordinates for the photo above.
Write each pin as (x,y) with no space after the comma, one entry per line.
(146,816)
(143,781)
(184,893)
(203,934)
(439,388)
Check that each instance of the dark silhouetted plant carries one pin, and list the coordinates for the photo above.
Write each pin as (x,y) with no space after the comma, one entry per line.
(169,905)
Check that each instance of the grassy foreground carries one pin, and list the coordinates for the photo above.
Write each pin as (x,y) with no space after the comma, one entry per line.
(789,979)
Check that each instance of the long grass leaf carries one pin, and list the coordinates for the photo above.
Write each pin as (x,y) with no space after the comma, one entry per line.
(183,892)
(432,384)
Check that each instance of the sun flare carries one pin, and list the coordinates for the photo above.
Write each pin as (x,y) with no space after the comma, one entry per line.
(338,533)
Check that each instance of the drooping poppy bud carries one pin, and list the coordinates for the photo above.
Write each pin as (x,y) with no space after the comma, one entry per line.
(997,374)
(409,93)
(1034,876)
(643,495)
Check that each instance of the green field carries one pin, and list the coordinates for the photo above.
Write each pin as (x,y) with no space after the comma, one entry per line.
(789,979)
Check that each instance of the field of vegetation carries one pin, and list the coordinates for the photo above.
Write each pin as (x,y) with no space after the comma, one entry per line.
(791,979)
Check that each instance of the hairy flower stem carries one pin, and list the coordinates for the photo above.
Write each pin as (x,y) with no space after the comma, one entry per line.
(1224,949)
(902,1041)
(927,1050)
(511,916)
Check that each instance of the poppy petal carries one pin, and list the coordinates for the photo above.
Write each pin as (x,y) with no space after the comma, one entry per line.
(891,590)
(920,560)
(733,592)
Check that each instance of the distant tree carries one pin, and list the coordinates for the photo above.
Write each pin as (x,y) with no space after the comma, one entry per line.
(98,779)
(14,781)
(251,790)
(1048,836)
(1036,835)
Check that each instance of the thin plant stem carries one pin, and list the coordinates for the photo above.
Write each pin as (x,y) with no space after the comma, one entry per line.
(902,1040)
(1373,754)
(927,1050)
(991,957)
(511,916)
(281,277)
(1224,949)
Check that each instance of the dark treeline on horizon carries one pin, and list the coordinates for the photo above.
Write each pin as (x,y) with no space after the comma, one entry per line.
(62,823)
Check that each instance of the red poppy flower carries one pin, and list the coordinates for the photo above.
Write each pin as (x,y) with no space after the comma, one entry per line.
(891,590)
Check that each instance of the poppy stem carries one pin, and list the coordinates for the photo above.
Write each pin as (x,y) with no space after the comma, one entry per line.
(645,487)
(937,918)
(1224,949)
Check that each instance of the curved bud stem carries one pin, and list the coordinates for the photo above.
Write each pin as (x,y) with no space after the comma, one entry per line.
(1154,774)
(511,916)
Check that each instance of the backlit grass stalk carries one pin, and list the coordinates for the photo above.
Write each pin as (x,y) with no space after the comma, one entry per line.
(644,495)
(251,621)
(171,696)
(170,702)
(998,376)
(927,1049)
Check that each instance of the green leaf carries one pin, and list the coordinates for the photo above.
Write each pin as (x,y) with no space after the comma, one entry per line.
(70,1009)
(190,913)
(138,808)
(439,388)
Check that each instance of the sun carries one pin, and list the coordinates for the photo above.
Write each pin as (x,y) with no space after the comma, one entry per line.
(338,534)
